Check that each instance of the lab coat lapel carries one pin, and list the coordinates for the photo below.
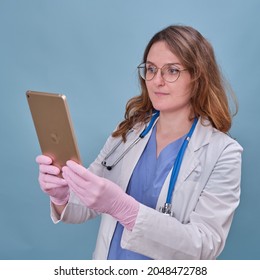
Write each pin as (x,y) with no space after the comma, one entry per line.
(199,139)
(189,163)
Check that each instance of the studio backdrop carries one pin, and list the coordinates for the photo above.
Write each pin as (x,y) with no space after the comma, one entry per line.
(89,51)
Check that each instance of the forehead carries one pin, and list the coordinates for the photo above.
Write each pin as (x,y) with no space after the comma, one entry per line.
(161,54)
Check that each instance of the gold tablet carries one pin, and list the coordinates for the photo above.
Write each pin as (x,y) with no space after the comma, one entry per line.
(53,126)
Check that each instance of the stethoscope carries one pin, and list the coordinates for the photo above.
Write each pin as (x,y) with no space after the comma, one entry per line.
(166,209)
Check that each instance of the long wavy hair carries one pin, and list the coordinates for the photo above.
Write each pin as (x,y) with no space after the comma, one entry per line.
(209,90)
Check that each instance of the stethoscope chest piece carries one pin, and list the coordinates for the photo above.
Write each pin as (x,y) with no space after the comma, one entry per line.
(167,209)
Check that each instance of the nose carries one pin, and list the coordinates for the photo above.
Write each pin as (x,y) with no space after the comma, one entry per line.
(158,78)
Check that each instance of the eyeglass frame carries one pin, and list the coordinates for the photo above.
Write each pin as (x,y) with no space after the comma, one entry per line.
(142,65)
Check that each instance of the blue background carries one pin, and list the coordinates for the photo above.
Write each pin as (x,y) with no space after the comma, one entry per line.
(89,51)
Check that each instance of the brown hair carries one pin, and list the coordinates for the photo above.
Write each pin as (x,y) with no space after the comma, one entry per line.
(209,90)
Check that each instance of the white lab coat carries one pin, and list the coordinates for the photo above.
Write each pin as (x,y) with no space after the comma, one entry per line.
(206,195)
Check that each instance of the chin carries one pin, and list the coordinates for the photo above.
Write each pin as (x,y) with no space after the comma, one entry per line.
(162,108)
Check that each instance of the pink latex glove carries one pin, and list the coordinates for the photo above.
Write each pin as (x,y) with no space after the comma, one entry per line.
(100,194)
(56,187)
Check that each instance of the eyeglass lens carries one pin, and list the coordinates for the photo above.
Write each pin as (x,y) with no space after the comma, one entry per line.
(169,72)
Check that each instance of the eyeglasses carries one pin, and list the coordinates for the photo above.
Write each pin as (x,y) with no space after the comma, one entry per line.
(170,73)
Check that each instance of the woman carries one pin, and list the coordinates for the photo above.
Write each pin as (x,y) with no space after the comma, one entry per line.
(184,104)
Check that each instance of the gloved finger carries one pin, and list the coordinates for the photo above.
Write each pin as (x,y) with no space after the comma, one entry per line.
(75,188)
(82,171)
(88,196)
(46,178)
(49,169)
(49,187)
(73,178)
(52,188)
(42,159)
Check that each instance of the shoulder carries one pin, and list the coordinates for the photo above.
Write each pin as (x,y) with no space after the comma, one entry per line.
(216,151)
(225,141)
(206,134)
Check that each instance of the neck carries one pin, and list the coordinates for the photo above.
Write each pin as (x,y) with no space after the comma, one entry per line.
(173,125)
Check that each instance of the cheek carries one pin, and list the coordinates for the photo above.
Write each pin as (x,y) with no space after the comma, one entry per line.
(181,89)
(149,89)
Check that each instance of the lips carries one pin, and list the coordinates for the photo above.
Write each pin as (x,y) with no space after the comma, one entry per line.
(158,93)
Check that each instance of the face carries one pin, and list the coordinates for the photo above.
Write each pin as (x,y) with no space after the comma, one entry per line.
(166,96)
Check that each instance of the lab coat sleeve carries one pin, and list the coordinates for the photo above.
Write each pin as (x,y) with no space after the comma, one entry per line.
(203,236)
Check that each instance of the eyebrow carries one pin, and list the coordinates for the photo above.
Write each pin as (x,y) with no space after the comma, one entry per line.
(175,63)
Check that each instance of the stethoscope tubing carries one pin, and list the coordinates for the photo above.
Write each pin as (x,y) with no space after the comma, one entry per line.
(124,153)
(177,164)
(141,136)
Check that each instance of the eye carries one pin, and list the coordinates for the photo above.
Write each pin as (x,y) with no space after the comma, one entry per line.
(151,69)
(172,70)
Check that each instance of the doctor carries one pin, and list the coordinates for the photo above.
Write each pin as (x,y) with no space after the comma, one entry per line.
(167,181)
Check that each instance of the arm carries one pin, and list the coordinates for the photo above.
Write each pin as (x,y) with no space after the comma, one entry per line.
(75,211)
(100,194)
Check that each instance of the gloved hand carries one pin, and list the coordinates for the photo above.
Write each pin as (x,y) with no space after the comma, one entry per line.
(100,194)
(56,187)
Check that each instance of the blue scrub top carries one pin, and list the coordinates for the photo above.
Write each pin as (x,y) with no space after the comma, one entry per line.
(145,186)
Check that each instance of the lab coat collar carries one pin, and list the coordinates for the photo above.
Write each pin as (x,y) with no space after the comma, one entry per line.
(200,138)
(201,135)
